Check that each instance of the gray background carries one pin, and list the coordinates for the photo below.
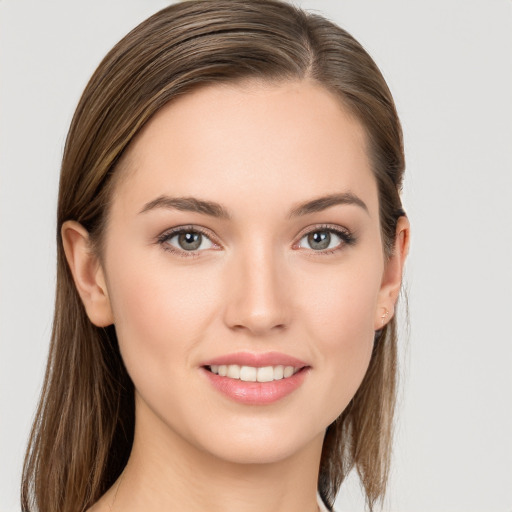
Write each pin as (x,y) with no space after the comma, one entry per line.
(449,66)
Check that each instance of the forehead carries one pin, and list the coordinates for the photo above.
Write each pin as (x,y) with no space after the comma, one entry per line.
(250,141)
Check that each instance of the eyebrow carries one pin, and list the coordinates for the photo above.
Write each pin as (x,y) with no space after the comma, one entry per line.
(214,209)
(322,203)
(188,204)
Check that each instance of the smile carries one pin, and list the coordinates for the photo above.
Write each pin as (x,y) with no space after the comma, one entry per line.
(253,373)
(255,379)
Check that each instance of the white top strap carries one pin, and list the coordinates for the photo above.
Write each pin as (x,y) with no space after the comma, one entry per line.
(321,505)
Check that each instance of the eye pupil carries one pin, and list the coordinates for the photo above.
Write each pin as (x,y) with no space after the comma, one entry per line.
(319,240)
(189,241)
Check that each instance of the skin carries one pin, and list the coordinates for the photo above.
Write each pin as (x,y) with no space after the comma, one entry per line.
(255,284)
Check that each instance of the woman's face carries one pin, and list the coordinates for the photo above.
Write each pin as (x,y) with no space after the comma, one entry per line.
(244,233)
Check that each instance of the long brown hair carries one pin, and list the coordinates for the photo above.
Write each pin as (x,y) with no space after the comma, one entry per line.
(83,431)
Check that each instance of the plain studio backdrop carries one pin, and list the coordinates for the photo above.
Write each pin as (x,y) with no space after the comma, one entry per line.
(449,66)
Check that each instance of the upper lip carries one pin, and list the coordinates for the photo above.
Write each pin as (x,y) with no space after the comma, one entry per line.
(257,360)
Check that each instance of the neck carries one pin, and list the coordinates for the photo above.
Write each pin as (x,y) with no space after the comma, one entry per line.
(166,472)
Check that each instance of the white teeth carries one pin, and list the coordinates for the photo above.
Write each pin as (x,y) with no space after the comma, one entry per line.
(288,371)
(265,374)
(253,374)
(278,372)
(233,371)
(248,373)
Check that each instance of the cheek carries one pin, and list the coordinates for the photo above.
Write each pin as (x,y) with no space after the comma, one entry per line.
(341,311)
(160,314)
(342,304)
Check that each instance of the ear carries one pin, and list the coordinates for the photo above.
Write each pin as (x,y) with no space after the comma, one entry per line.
(392,276)
(87,273)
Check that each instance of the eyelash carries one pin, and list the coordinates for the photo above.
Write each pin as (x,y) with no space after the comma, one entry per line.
(165,237)
(347,239)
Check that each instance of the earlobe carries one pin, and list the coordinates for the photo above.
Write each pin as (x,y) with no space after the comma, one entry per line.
(392,277)
(87,273)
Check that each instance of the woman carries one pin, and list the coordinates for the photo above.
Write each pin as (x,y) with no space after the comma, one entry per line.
(230,250)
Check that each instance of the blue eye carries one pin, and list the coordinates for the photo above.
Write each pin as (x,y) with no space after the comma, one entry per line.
(188,241)
(326,239)
(185,240)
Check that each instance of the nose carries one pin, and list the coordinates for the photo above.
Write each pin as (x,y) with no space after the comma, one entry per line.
(258,301)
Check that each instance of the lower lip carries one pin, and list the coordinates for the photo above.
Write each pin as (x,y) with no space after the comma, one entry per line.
(256,393)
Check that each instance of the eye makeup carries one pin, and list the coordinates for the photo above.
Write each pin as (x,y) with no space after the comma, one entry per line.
(345,236)
(192,234)
(180,232)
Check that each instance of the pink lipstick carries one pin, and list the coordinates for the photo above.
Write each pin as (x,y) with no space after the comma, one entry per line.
(256,379)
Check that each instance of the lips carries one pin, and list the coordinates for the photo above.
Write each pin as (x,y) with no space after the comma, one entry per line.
(255,379)
(256,360)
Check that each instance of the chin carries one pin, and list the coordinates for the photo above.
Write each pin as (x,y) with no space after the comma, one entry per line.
(255,451)
(261,442)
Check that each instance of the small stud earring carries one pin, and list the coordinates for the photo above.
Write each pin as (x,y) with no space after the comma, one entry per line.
(384,316)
